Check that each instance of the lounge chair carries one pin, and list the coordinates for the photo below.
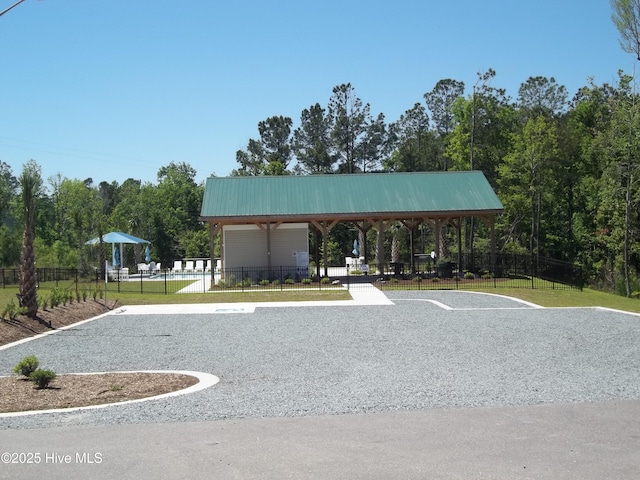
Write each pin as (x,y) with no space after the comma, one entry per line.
(121,274)
(208,267)
(143,268)
(177,266)
(199,266)
(188,266)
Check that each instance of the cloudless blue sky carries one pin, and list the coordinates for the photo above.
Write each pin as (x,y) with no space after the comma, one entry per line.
(116,89)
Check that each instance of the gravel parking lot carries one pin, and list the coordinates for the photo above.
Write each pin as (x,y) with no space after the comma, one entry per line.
(306,361)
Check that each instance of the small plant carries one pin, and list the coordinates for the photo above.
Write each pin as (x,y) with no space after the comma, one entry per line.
(263,283)
(325,280)
(289,281)
(9,311)
(44,303)
(275,282)
(57,296)
(42,378)
(94,294)
(306,281)
(417,279)
(221,284)
(116,388)
(84,294)
(469,276)
(26,366)
(355,272)
(435,279)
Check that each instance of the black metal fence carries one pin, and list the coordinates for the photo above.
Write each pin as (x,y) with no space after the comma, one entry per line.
(479,271)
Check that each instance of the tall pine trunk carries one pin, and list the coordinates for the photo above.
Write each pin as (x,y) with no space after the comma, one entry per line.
(28,290)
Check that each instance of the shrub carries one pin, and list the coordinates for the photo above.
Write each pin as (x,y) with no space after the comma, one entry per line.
(221,284)
(325,280)
(355,272)
(263,283)
(289,281)
(435,279)
(26,366)
(9,311)
(306,281)
(469,275)
(42,377)
(57,297)
(275,282)
(417,279)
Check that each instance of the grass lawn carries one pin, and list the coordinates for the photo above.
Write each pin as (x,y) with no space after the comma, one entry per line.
(541,296)
(8,295)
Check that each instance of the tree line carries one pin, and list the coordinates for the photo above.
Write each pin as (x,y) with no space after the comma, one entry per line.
(565,169)
(69,212)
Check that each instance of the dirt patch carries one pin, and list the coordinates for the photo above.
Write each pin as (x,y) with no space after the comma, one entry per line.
(66,391)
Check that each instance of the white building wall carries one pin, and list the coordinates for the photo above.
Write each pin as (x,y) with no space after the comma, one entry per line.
(246,245)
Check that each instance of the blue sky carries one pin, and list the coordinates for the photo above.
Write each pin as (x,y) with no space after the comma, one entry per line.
(116,89)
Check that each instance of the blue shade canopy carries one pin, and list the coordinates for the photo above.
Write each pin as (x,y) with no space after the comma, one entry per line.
(355,250)
(117,237)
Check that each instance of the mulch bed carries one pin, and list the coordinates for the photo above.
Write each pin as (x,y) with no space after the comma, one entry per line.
(20,394)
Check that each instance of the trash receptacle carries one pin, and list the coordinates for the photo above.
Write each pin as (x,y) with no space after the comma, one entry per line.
(398,268)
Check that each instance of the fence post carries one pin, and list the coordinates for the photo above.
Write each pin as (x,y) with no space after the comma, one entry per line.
(348,280)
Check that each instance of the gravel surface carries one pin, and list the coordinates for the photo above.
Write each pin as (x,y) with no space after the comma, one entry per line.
(298,361)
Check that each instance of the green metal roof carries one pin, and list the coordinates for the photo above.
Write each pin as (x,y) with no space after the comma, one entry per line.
(369,195)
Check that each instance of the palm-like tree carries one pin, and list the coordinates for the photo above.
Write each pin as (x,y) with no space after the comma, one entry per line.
(31,188)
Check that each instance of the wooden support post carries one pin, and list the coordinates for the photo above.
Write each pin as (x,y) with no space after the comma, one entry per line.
(322,225)
(492,226)
(380,247)
(437,226)
(269,248)
(459,244)
(214,228)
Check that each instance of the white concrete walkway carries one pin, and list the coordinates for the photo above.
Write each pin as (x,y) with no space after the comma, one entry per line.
(365,294)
